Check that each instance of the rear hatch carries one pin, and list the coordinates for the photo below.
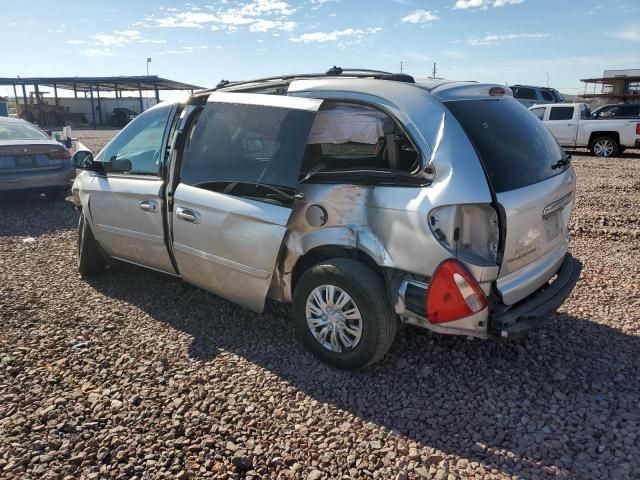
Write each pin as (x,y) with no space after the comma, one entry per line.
(19,156)
(533,184)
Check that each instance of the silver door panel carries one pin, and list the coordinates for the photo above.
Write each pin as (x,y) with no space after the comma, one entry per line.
(125,223)
(232,250)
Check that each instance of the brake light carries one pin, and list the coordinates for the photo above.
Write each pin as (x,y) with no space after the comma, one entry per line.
(59,154)
(453,294)
(497,91)
(637,128)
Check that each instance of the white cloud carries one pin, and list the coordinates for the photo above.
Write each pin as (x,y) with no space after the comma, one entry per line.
(260,15)
(465,4)
(420,16)
(502,3)
(75,42)
(493,39)
(348,33)
(316,4)
(630,33)
(266,25)
(97,52)
(186,20)
(118,38)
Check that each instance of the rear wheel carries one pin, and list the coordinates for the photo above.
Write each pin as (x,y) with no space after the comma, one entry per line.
(90,260)
(342,314)
(605,147)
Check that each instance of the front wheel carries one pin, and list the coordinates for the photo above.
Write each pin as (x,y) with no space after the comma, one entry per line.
(605,147)
(90,260)
(342,314)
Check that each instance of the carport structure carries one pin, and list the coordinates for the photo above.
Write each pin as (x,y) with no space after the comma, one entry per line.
(93,87)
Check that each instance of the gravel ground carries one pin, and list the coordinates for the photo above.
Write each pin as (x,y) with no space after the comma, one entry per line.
(135,375)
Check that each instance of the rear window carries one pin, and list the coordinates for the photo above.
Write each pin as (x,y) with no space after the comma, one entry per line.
(21,131)
(515,148)
(524,93)
(546,95)
(628,111)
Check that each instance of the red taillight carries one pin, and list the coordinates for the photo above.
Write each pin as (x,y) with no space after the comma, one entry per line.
(60,154)
(453,294)
(637,128)
(497,91)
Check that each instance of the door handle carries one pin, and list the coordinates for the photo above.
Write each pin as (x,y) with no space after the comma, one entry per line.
(570,124)
(187,215)
(148,206)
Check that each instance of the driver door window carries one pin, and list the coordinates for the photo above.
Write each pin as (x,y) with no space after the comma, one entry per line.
(140,142)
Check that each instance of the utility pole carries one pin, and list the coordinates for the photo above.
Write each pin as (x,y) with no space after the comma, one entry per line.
(435,70)
(401,65)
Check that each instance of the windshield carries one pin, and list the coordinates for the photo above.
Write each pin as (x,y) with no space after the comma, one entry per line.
(21,131)
(515,148)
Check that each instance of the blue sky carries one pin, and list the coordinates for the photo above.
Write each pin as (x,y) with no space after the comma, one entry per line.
(201,42)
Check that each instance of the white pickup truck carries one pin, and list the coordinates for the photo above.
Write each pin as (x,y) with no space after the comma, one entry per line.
(572,125)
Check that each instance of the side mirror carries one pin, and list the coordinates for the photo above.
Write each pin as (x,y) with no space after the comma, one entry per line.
(118,165)
(82,159)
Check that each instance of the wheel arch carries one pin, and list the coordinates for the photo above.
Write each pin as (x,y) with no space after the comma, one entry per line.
(603,133)
(304,251)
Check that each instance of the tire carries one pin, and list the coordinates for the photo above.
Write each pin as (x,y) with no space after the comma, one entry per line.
(605,147)
(90,260)
(56,195)
(377,325)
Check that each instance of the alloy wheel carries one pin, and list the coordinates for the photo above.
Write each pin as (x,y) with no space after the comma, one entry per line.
(603,148)
(333,318)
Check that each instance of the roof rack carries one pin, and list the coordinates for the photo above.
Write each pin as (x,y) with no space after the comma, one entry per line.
(332,72)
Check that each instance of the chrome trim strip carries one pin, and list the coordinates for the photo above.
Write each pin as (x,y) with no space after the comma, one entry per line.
(557,205)
(131,233)
(255,272)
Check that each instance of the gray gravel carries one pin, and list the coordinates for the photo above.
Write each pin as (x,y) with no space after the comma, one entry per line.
(135,375)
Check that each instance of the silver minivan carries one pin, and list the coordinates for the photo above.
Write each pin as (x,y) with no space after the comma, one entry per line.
(366,199)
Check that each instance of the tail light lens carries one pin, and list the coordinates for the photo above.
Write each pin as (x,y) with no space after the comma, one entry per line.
(453,294)
(60,154)
(637,128)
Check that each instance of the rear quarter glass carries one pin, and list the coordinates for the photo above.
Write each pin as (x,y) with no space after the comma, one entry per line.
(515,148)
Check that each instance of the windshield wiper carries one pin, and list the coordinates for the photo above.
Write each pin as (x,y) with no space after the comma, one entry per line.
(561,163)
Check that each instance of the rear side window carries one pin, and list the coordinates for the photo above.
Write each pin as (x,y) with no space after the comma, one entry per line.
(561,113)
(235,144)
(515,148)
(628,111)
(546,95)
(524,93)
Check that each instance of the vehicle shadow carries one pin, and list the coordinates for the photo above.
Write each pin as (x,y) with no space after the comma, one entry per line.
(561,394)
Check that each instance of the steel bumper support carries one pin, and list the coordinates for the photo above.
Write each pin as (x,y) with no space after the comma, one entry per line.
(516,321)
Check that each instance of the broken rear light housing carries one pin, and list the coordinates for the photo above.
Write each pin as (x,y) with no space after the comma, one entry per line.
(453,294)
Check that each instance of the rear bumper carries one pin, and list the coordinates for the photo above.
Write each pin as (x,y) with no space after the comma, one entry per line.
(638,143)
(59,178)
(515,321)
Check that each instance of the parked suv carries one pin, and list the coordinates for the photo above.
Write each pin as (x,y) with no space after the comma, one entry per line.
(529,96)
(364,198)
